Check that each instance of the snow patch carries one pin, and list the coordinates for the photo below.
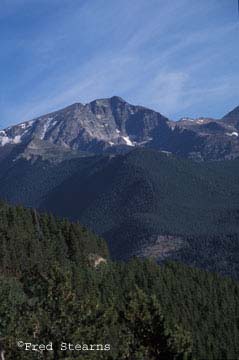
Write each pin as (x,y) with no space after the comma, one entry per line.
(16,139)
(145,141)
(45,127)
(54,123)
(234,133)
(26,124)
(6,140)
(186,119)
(128,141)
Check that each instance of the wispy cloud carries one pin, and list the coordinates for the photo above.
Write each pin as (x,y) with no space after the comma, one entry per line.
(174,56)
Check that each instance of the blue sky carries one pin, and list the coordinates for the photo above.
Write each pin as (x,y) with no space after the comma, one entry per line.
(180,57)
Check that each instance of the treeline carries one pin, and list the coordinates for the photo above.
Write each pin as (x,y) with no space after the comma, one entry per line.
(54,290)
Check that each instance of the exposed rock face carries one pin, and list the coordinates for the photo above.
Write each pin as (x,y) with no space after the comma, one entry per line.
(218,139)
(96,260)
(160,247)
(94,127)
(113,125)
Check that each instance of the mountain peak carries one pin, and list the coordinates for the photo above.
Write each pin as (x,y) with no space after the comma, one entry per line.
(114,125)
(111,100)
(234,112)
(232,118)
(117,99)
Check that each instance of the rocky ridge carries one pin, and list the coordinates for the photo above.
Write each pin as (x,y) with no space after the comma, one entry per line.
(113,125)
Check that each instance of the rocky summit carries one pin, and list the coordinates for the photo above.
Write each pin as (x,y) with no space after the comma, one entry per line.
(113,125)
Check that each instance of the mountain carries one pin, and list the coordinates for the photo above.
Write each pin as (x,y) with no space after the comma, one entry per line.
(93,127)
(112,166)
(128,174)
(144,203)
(218,138)
(115,126)
(232,118)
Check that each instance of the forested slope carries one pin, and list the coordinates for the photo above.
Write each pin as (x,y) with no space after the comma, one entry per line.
(144,203)
(151,204)
(142,310)
(30,239)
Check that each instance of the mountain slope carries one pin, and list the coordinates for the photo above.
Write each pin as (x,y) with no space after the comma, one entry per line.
(96,126)
(30,239)
(144,203)
(139,308)
(115,126)
(232,118)
(136,199)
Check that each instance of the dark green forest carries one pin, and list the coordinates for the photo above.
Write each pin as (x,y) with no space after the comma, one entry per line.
(58,284)
(132,199)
